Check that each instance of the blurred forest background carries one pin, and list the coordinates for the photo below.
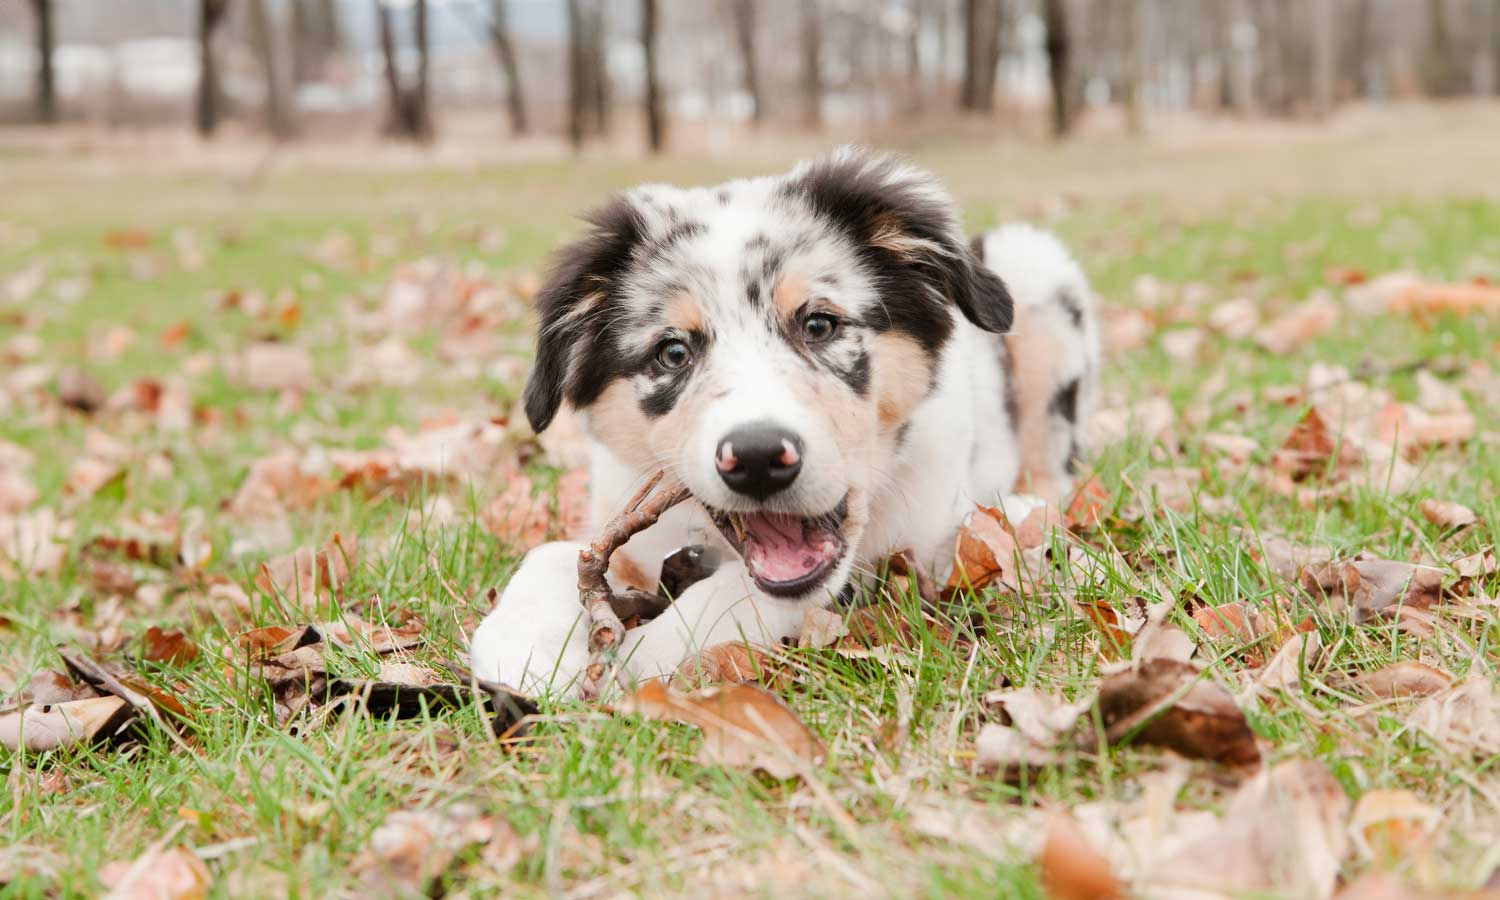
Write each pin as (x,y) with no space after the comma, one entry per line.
(701,74)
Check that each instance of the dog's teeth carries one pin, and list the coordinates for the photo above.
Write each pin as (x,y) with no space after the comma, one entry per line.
(739,526)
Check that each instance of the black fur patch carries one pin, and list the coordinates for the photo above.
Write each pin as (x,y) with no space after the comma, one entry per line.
(857,376)
(661,399)
(591,265)
(1072,306)
(752,292)
(1065,402)
(853,195)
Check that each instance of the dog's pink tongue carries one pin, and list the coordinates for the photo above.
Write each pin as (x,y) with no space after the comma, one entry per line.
(780,549)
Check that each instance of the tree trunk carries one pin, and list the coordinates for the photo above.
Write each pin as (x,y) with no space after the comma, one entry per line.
(744,33)
(46,79)
(812,69)
(315,37)
(1495,47)
(210,17)
(1444,70)
(982,21)
(940,71)
(277,108)
(505,50)
(1130,68)
(577,75)
(1059,64)
(1357,62)
(656,123)
(596,67)
(1325,56)
(409,115)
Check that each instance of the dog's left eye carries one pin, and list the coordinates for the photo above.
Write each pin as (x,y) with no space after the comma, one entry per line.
(819,327)
(673,354)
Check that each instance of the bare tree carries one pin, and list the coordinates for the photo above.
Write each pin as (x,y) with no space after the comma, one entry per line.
(1357,49)
(210,17)
(315,38)
(1495,47)
(410,114)
(1444,69)
(812,64)
(588,79)
(982,21)
(1130,65)
(1059,64)
(743,12)
(656,123)
(1325,53)
(46,43)
(505,51)
(279,118)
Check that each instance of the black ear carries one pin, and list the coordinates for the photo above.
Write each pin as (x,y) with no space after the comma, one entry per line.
(908,229)
(572,361)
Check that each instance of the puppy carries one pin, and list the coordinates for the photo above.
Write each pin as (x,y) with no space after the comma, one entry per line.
(826,362)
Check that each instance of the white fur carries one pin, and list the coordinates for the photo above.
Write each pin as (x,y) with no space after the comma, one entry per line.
(960,448)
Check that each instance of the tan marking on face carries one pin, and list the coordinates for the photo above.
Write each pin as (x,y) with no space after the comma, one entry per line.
(902,376)
(1034,349)
(617,421)
(889,235)
(790,294)
(684,313)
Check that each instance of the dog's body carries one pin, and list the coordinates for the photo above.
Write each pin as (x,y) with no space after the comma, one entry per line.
(827,365)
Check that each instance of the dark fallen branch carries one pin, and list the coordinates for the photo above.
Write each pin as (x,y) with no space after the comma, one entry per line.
(606,631)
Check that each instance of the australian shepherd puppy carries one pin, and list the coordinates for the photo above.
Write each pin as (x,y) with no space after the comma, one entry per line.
(827,363)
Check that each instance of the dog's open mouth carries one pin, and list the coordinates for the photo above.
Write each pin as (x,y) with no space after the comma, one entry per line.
(787,555)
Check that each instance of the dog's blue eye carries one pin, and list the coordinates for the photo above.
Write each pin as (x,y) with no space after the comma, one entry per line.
(819,327)
(673,354)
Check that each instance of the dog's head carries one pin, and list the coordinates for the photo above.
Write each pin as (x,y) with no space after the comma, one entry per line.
(765,342)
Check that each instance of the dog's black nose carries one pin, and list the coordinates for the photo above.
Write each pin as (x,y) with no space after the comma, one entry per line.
(759,459)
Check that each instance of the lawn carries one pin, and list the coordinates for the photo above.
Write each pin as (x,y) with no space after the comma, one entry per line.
(165,330)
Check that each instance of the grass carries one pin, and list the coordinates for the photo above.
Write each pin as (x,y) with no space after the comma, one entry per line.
(602,804)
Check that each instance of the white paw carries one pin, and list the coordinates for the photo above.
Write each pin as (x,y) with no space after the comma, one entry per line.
(536,638)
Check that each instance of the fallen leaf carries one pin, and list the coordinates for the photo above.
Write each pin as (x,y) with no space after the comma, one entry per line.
(1071,869)
(1392,825)
(1407,678)
(1476,565)
(1447,514)
(277,366)
(1283,834)
(78,390)
(276,484)
(168,646)
(304,575)
(412,848)
(1312,450)
(728,663)
(821,628)
(1464,719)
(1172,704)
(1034,730)
(1086,509)
(984,552)
(743,725)
(174,873)
(1373,589)
(1283,671)
(49,727)
(1430,298)
(1307,320)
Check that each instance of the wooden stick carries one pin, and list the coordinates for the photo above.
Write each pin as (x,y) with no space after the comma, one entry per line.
(606,632)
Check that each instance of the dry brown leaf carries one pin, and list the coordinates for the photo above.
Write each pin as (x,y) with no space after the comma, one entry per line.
(1314,317)
(1283,671)
(304,575)
(88,476)
(174,873)
(821,628)
(1036,726)
(276,484)
(1465,719)
(1172,704)
(1392,825)
(743,725)
(1158,640)
(984,552)
(1087,508)
(1071,868)
(1313,450)
(1407,678)
(168,646)
(1234,619)
(276,366)
(1282,834)
(64,724)
(1447,514)
(728,663)
(1431,298)
(411,849)
(1476,565)
(1373,589)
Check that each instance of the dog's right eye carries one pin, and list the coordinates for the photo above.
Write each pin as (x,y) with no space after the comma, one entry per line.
(673,354)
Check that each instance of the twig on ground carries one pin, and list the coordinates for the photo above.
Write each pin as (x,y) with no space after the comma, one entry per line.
(606,631)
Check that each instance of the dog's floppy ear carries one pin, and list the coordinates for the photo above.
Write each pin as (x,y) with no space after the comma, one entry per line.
(571,363)
(903,220)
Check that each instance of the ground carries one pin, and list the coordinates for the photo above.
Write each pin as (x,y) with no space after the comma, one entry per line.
(158,310)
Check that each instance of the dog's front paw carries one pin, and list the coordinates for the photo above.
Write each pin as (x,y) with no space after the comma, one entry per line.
(536,637)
